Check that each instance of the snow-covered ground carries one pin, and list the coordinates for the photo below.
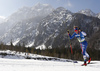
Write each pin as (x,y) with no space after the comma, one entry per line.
(43,65)
(36,65)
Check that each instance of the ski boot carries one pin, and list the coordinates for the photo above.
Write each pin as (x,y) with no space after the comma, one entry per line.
(85,64)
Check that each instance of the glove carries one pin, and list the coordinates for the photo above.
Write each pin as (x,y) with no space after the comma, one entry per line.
(68,32)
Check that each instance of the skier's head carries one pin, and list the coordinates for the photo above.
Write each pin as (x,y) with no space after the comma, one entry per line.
(76,29)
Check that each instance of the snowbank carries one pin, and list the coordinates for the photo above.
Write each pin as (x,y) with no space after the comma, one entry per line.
(20,55)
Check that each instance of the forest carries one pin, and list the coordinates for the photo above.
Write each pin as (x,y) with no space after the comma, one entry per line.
(61,52)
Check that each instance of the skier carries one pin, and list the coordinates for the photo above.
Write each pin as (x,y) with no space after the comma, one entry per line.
(80,35)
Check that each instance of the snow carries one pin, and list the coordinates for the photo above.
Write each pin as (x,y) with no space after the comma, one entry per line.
(98,15)
(69,17)
(46,24)
(36,65)
(18,39)
(37,33)
(41,47)
(42,65)
(30,45)
(50,47)
(87,12)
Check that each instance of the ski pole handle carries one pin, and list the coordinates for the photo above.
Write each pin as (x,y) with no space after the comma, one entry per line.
(68,32)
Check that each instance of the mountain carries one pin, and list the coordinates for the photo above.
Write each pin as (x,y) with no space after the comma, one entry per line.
(51,27)
(98,15)
(87,12)
(90,25)
(52,17)
(52,32)
(30,12)
(2,19)
(24,22)
(43,27)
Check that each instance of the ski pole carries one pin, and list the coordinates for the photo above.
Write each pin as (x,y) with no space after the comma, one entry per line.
(72,57)
(70,45)
(71,48)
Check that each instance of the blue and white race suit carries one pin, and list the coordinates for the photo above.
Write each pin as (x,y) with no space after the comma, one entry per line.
(83,43)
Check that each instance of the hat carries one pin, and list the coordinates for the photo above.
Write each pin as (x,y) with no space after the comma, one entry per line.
(75,28)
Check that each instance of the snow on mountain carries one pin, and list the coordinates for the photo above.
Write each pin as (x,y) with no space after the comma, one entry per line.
(51,26)
(98,15)
(25,13)
(30,12)
(2,18)
(41,47)
(52,30)
(25,22)
(2,25)
(41,26)
(87,12)
(60,15)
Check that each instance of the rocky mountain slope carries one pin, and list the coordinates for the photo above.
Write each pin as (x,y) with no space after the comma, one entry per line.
(57,36)
(24,22)
(43,27)
(87,12)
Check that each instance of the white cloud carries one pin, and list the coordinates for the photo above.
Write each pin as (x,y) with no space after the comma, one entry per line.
(69,3)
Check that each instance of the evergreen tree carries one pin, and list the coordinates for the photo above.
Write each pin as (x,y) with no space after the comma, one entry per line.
(11,44)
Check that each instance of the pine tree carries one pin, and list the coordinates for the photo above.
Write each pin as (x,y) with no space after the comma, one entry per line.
(11,44)
(32,50)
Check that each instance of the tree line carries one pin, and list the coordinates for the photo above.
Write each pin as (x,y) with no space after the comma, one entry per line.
(61,52)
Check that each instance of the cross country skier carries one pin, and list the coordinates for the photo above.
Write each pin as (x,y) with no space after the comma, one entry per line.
(80,35)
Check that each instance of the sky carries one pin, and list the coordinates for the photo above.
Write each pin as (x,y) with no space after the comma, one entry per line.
(8,7)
